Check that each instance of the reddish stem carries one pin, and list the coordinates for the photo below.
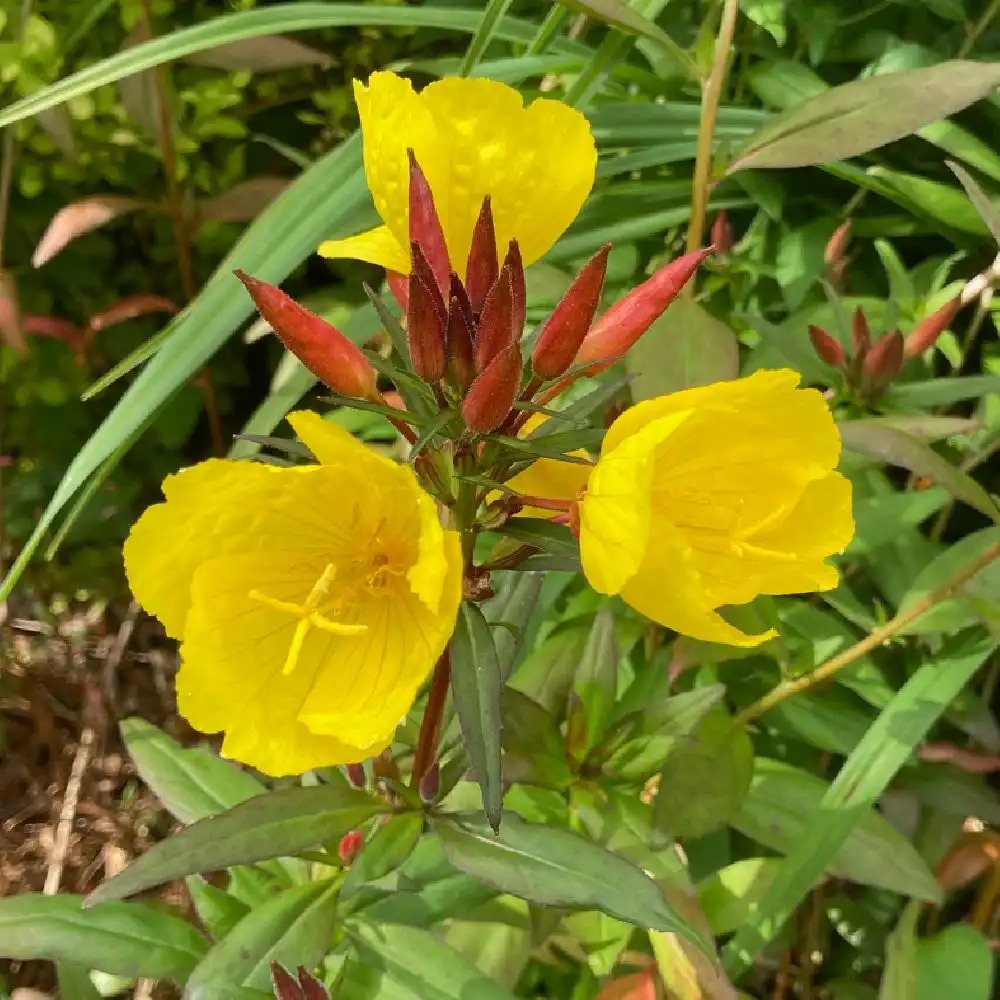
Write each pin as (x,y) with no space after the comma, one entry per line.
(430,726)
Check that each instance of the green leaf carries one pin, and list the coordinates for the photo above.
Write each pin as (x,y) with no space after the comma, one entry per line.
(887,444)
(419,962)
(944,203)
(687,346)
(556,539)
(899,981)
(957,963)
(532,743)
(293,928)
(191,784)
(704,778)
(988,212)
(219,911)
(941,391)
(846,805)
(864,114)
(596,680)
(123,939)
(924,426)
(769,15)
(268,826)
(476,688)
(515,603)
(392,843)
(274,19)
(555,867)
(729,896)
(75,982)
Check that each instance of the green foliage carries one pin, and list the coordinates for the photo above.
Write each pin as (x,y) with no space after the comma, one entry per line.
(667,803)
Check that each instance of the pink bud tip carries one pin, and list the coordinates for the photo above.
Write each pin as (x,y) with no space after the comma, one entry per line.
(430,784)
(322,348)
(826,347)
(923,335)
(490,397)
(349,846)
(722,233)
(833,254)
(425,226)
(481,269)
(561,336)
(425,319)
(631,316)
(885,360)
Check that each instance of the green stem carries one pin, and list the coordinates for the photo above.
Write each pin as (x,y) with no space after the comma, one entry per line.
(548,30)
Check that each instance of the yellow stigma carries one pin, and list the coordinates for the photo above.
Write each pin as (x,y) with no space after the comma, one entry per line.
(309,615)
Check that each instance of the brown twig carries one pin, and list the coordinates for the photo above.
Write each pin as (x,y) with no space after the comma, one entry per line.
(792,686)
(430,726)
(60,845)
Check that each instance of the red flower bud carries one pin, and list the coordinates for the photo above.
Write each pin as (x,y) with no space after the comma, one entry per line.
(425,319)
(631,316)
(430,784)
(496,323)
(826,347)
(349,846)
(861,335)
(885,360)
(481,269)
(322,348)
(356,775)
(399,287)
(833,254)
(931,327)
(425,227)
(461,364)
(491,395)
(722,233)
(519,297)
(561,336)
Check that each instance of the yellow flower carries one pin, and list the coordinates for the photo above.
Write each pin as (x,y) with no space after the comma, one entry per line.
(310,602)
(472,138)
(714,495)
(547,477)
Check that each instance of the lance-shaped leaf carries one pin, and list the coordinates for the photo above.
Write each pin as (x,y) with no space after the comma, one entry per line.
(78,218)
(476,688)
(596,680)
(243,201)
(279,823)
(555,867)
(391,845)
(984,206)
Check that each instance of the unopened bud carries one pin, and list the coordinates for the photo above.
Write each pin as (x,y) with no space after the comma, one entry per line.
(461,363)
(563,332)
(496,331)
(885,360)
(356,775)
(514,266)
(931,327)
(491,395)
(722,233)
(349,846)
(826,347)
(322,348)
(285,987)
(425,319)
(425,226)
(430,783)
(631,316)
(482,268)
(861,335)
(833,254)
(312,988)
(437,474)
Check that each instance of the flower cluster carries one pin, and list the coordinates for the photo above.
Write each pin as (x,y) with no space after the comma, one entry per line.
(311,602)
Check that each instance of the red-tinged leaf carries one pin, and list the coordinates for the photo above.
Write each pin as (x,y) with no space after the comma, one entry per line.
(631,316)
(563,332)
(78,218)
(263,54)
(243,202)
(923,335)
(54,327)
(637,986)
(11,331)
(425,226)
(974,854)
(482,267)
(970,761)
(495,332)
(130,308)
(491,395)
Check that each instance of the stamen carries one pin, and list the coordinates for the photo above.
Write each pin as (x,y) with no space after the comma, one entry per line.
(309,615)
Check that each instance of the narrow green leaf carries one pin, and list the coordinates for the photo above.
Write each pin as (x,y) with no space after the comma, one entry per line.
(392,843)
(495,12)
(268,826)
(887,444)
(596,679)
(218,910)
(293,928)
(865,775)
(554,867)
(899,981)
(421,963)
(864,114)
(988,212)
(687,346)
(75,982)
(943,203)
(123,939)
(191,783)
(556,539)
(729,895)
(924,426)
(515,603)
(941,391)
(476,688)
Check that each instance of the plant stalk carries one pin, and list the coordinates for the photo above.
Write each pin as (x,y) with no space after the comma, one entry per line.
(796,685)
(430,725)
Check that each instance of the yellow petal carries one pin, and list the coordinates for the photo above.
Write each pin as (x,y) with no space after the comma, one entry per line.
(474,138)
(436,555)
(376,246)
(333,445)
(615,513)
(668,589)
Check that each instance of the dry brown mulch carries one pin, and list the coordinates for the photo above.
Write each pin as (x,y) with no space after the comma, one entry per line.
(72,810)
